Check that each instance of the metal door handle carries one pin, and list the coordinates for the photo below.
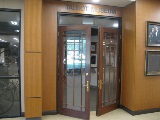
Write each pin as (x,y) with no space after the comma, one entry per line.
(100,84)
(87,86)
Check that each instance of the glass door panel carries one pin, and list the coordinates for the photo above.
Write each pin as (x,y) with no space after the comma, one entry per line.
(74,79)
(108,70)
(10,102)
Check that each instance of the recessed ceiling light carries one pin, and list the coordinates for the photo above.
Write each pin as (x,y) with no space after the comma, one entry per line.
(14,23)
(95,0)
(132,0)
(15,38)
(115,25)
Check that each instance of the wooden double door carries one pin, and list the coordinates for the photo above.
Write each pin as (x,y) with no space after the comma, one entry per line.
(74,71)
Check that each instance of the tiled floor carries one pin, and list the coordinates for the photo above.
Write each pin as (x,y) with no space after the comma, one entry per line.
(118,114)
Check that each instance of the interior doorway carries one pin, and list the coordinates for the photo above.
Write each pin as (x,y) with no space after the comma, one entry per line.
(98,78)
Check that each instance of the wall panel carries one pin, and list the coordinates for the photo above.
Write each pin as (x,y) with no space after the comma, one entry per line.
(33,74)
(147,87)
(33,58)
(33,11)
(49,41)
(33,107)
(128,56)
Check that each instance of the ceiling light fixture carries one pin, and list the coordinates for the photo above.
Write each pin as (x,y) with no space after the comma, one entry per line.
(14,23)
(95,1)
(15,38)
(115,25)
(132,0)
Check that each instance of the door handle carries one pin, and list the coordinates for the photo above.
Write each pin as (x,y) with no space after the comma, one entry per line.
(87,86)
(100,84)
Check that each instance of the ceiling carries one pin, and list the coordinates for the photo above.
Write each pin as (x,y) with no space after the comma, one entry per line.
(118,3)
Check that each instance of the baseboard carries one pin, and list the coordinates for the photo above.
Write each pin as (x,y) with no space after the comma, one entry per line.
(37,118)
(22,114)
(139,111)
(51,112)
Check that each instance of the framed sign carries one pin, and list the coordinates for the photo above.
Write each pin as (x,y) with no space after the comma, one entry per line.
(93,60)
(93,47)
(152,62)
(153,34)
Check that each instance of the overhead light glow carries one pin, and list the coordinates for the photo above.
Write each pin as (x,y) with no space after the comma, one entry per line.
(14,23)
(15,38)
(95,1)
(132,0)
(16,30)
(115,25)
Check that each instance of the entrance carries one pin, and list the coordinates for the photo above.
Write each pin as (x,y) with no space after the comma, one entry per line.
(75,70)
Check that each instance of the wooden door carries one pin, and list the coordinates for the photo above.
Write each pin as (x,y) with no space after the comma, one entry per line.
(74,71)
(108,78)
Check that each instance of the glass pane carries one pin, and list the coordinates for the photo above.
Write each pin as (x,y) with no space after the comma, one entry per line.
(109,69)
(9,57)
(74,80)
(9,97)
(9,64)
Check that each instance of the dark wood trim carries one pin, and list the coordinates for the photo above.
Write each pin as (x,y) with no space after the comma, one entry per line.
(139,112)
(22,114)
(51,112)
(100,108)
(65,111)
(37,118)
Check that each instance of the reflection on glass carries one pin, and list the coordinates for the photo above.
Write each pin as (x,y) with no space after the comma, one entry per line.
(109,70)
(74,70)
(9,64)
(9,56)
(9,98)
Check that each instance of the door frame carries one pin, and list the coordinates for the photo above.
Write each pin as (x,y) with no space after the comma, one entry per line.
(98,47)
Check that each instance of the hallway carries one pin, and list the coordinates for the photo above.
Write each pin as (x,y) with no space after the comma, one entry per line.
(118,114)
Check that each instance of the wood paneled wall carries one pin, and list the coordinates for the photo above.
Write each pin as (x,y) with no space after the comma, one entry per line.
(139,92)
(49,47)
(146,87)
(49,41)
(128,55)
(33,58)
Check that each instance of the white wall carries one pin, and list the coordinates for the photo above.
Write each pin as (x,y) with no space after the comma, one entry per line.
(18,4)
(94,70)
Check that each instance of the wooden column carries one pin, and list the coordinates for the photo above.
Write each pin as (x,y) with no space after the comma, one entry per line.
(33,59)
